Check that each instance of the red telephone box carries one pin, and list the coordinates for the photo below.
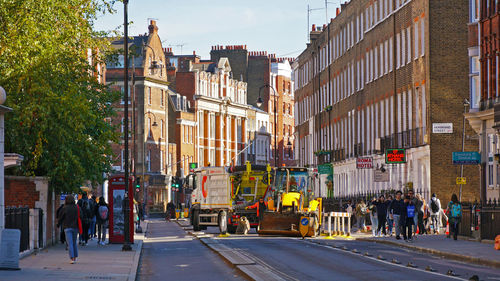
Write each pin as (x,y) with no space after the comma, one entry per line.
(116,194)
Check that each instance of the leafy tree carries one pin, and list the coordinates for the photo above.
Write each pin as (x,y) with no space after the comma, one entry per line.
(59,107)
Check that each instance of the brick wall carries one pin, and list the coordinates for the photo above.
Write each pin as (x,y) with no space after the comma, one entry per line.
(20,192)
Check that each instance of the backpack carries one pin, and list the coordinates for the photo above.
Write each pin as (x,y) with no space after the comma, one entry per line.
(456,210)
(103,212)
(434,206)
(410,210)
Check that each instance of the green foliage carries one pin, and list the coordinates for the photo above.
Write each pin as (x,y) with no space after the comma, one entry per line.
(60,109)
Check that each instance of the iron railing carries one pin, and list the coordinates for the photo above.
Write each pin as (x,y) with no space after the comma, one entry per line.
(19,218)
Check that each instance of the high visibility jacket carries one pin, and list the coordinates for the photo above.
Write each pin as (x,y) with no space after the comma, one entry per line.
(257,206)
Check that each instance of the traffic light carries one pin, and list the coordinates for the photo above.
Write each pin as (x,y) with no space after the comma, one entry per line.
(137,183)
(175,182)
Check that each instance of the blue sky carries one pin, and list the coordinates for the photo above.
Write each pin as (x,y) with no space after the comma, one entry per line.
(276,26)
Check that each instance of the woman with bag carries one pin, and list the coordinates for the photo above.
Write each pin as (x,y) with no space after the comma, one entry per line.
(72,225)
(454,212)
(102,220)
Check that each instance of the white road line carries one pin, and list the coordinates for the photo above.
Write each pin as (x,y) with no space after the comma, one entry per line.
(386,262)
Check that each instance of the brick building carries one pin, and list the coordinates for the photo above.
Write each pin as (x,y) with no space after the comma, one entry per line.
(484,112)
(378,77)
(258,68)
(148,116)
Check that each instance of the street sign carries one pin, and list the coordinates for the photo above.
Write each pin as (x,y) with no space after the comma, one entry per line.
(364,163)
(395,156)
(325,169)
(442,128)
(461,180)
(379,176)
(466,158)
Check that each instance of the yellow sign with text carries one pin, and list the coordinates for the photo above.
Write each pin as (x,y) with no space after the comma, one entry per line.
(461,180)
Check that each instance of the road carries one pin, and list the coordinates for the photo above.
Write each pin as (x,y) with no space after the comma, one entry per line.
(169,253)
(321,259)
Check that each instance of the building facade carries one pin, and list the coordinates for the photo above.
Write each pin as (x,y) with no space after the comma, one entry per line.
(148,118)
(259,136)
(379,76)
(484,112)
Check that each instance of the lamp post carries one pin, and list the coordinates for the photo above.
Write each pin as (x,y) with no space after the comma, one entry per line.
(466,104)
(144,192)
(126,209)
(259,103)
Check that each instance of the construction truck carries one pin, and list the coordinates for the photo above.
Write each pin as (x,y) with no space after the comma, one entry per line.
(292,208)
(219,197)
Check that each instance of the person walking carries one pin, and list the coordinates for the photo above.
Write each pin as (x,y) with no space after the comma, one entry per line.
(409,214)
(62,235)
(454,212)
(420,207)
(93,221)
(435,210)
(390,221)
(373,216)
(102,219)
(397,210)
(417,205)
(361,211)
(71,223)
(86,214)
(381,206)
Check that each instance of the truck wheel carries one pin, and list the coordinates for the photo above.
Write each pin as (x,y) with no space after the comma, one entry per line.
(196,220)
(223,222)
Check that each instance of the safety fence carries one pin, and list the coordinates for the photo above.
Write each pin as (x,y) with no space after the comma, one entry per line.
(338,223)
(31,224)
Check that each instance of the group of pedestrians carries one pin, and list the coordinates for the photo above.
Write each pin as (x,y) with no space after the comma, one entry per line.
(78,222)
(407,214)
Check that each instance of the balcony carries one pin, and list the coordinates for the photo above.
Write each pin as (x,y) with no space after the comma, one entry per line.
(407,139)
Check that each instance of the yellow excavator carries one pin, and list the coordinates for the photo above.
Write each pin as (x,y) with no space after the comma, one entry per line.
(292,208)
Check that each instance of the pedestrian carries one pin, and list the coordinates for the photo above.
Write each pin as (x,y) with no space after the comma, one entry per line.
(397,210)
(102,219)
(435,210)
(62,235)
(417,203)
(71,223)
(420,206)
(86,214)
(93,207)
(373,216)
(361,211)
(390,221)
(408,215)
(170,211)
(381,206)
(454,212)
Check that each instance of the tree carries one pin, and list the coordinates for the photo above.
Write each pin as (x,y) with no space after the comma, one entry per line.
(60,110)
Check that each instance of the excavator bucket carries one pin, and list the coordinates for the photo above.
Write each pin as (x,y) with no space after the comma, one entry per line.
(274,223)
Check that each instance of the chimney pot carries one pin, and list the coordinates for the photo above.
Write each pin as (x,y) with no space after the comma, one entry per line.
(338,11)
(194,53)
(314,26)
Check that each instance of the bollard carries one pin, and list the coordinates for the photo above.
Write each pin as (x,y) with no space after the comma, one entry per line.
(338,224)
(330,223)
(343,224)
(348,225)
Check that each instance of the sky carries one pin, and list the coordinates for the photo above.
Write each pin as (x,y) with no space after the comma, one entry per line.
(276,26)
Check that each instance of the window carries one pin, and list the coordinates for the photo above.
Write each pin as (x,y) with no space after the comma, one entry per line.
(162,103)
(149,95)
(148,160)
(474,10)
(212,126)
(161,160)
(391,54)
(415,40)
(386,55)
(403,47)
(162,129)
(149,127)
(375,64)
(398,50)
(408,44)
(381,58)
(475,94)
(422,36)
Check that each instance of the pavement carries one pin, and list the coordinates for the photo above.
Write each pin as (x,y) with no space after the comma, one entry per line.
(460,250)
(95,262)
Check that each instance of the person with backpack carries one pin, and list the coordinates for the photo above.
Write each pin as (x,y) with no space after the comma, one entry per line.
(435,209)
(361,211)
(397,211)
(86,213)
(102,219)
(93,207)
(409,213)
(454,212)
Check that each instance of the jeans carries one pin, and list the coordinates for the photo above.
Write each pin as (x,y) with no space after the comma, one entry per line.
(92,227)
(398,225)
(421,226)
(71,239)
(374,220)
(101,231)
(361,222)
(435,222)
(415,222)
(381,224)
(390,222)
(407,228)
(84,237)
(454,227)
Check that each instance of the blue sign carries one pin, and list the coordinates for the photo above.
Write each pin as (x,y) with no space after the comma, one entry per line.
(63,197)
(466,158)
(304,221)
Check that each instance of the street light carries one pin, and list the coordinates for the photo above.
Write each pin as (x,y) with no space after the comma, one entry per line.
(154,63)
(466,104)
(259,101)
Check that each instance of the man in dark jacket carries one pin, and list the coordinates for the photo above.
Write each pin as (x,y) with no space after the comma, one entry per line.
(396,210)
(382,206)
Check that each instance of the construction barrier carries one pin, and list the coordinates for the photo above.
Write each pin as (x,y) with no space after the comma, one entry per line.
(341,223)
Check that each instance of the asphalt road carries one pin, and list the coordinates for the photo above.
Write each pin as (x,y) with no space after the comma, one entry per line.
(169,253)
(321,259)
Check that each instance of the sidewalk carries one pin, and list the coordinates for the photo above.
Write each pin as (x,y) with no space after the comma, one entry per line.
(95,262)
(462,250)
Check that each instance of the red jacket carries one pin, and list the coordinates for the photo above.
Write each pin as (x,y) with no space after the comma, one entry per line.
(256,206)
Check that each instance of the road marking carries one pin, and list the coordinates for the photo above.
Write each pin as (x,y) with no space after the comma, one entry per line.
(386,262)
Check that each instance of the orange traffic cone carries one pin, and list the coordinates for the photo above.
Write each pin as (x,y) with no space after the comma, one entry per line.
(447,228)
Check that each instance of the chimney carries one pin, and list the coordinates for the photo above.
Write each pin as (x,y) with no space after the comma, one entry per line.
(194,53)
(314,26)
(338,11)
(152,27)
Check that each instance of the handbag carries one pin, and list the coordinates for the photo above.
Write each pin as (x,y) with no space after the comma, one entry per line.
(80,228)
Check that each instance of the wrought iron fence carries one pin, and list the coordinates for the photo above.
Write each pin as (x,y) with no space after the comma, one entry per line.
(19,218)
